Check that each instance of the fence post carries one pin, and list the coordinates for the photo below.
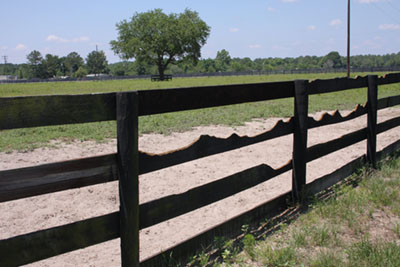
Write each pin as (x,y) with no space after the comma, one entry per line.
(127,142)
(372,119)
(299,160)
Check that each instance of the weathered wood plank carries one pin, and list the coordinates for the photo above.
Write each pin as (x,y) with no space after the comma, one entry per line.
(170,100)
(389,78)
(128,173)
(388,102)
(333,178)
(387,125)
(34,111)
(208,145)
(168,207)
(53,177)
(372,119)
(389,150)
(336,117)
(324,149)
(337,84)
(300,138)
(44,244)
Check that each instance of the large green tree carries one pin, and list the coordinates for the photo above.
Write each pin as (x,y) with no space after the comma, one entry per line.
(72,62)
(161,39)
(96,62)
(332,60)
(35,61)
(222,60)
(51,65)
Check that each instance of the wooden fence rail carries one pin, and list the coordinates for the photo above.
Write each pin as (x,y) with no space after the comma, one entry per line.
(128,163)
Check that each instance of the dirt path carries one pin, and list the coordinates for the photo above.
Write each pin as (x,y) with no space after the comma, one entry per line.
(35,213)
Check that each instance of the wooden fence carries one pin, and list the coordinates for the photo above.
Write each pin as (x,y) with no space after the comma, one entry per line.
(211,74)
(128,163)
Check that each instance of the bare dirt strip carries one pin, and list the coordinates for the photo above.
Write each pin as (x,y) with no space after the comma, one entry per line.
(35,213)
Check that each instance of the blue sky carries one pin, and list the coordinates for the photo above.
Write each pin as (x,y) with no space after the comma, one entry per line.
(252,28)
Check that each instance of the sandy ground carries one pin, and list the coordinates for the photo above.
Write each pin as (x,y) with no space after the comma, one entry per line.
(35,213)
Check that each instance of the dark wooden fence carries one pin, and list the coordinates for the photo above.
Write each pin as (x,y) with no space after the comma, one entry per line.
(128,163)
(212,74)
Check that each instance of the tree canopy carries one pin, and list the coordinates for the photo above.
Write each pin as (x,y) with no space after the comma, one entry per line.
(73,61)
(161,39)
(96,62)
(35,60)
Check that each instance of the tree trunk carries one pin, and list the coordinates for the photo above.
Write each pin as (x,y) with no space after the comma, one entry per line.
(161,70)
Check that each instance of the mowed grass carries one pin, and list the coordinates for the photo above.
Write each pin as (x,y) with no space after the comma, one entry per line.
(28,139)
(357,225)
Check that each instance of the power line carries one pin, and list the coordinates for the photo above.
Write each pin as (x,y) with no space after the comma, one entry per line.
(393,6)
(385,12)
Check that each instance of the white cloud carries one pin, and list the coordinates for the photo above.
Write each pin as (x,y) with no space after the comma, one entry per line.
(312,27)
(271,9)
(55,38)
(255,46)
(288,1)
(335,22)
(389,27)
(234,29)
(21,47)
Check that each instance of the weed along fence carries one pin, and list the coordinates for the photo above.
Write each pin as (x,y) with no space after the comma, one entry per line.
(128,163)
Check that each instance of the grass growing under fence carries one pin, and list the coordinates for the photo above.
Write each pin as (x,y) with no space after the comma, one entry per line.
(357,225)
(27,139)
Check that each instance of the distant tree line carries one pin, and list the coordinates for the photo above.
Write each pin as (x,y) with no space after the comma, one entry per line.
(73,65)
(223,62)
(52,66)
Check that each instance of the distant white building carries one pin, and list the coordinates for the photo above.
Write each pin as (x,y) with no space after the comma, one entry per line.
(97,75)
(7,77)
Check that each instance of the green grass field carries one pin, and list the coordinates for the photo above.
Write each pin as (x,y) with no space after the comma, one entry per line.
(27,139)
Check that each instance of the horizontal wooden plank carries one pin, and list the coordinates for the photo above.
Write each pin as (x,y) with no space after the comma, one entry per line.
(387,102)
(387,125)
(389,78)
(228,229)
(53,177)
(324,149)
(33,111)
(389,150)
(179,99)
(337,84)
(44,244)
(326,181)
(165,208)
(207,146)
(336,117)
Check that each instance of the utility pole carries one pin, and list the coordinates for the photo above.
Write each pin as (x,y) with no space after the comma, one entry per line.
(96,58)
(5,64)
(348,38)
